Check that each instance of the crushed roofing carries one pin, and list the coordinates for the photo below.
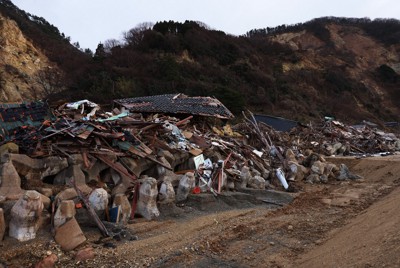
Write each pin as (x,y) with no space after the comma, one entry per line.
(177,103)
(16,115)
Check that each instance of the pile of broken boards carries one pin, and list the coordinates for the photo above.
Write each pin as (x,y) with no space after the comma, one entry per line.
(110,166)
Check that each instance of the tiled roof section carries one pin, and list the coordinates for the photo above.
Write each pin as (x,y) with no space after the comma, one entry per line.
(177,103)
(16,115)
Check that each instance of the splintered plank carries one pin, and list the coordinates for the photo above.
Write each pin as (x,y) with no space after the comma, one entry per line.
(86,133)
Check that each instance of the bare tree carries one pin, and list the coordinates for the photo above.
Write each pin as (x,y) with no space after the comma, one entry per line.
(110,44)
(50,81)
(134,36)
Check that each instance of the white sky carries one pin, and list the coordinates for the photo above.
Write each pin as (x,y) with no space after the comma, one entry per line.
(90,22)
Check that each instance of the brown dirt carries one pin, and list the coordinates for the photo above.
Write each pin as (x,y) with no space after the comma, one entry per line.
(340,224)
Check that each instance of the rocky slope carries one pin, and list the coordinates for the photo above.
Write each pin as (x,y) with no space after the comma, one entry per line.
(22,65)
(350,54)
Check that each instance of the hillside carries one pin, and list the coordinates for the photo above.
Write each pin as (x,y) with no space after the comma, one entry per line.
(347,68)
(20,64)
(36,60)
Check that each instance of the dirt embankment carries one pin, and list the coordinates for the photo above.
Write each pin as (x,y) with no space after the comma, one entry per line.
(340,224)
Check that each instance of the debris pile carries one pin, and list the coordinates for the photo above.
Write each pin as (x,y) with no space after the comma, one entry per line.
(335,138)
(82,165)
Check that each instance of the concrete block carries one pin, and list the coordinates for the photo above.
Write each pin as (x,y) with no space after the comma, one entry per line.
(73,173)
(46,201)
(93,173)
(257,182)
(10,182)
(25,216)
(67,194)
(147,202)
(125,211)
(9,147)
(65,211)
(99,199)
(33,168)
(186,184)
(166,193)
(244,177)
(318,167)
(69,235)
(46,191)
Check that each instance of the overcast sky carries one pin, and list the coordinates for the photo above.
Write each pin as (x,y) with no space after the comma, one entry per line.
(90,22)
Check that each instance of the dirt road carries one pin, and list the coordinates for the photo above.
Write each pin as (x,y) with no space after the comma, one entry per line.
(340,224)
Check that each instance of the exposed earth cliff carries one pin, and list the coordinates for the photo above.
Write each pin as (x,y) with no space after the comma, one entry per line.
(22,65)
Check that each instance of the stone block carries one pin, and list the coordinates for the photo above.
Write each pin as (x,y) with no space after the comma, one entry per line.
(33,168)
(257,182)
(93,173)
(46,201)
(10,182)
(186,185)
(244,177)
(125,207)
(46,191)
(9,147)
(147,202)
(98,199)
(67,194)
(75,159)
(70,174)
(318,167)
(65,211)
(25,216)
(69,235)
(166,193)
(137,165)
(173,178)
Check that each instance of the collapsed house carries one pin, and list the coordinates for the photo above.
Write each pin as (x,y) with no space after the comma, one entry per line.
(78,164)
(176,104)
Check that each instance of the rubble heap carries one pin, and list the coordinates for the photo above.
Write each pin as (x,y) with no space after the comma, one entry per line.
(89,166)
(335,138)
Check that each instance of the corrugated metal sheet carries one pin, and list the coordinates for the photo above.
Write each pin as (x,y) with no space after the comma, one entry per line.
(177,103)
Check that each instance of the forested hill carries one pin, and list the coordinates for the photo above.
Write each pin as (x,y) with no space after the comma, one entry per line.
(343,67)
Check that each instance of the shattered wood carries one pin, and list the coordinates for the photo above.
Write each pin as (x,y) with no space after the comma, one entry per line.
(121,152)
